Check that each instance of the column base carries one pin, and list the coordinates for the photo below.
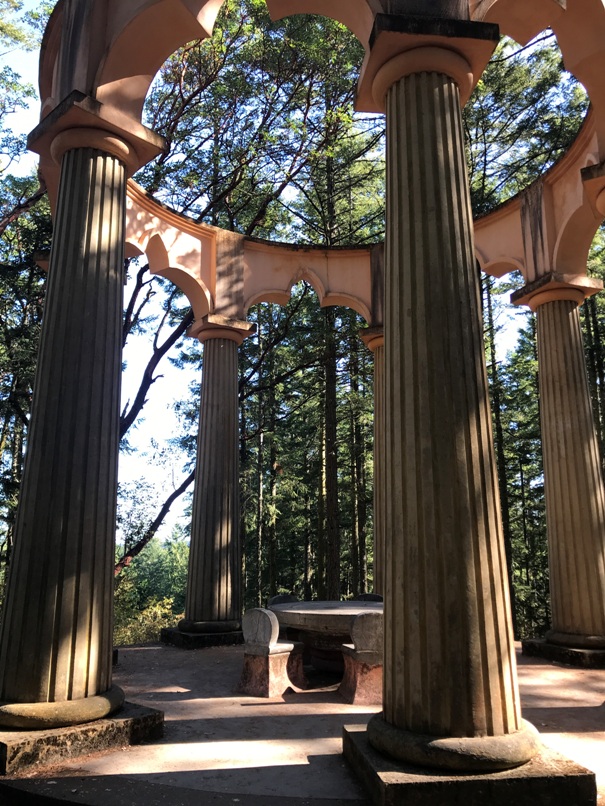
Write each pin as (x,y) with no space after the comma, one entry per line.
(42,715)
(572,656)
(459,754)
(22,750)
(576,641)
(195,640)
(548,778)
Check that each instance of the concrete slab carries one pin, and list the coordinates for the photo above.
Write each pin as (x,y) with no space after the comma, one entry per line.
(546,780)
(117,791)
(253,751)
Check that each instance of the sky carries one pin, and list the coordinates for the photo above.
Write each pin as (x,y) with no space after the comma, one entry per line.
(159,422)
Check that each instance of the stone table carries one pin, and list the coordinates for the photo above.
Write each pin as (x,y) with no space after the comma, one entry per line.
(323,627)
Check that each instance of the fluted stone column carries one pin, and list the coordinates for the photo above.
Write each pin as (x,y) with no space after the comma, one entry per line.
(213,603)
(56,637)
(575,497)
(373,338)
(450,690)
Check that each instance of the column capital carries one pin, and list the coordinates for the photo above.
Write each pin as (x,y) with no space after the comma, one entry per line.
(215,326)
(81,112)
(372,337)
(553,287)
(403,44)
(86,137)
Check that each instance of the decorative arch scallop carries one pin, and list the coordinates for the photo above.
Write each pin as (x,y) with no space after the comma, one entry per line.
(574,241)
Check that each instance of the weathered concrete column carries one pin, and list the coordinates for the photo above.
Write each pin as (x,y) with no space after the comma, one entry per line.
(450,690)
(213,603)
(575,495)
(373,338)
(56,638)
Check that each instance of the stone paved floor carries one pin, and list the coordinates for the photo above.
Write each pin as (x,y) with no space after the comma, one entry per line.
(287,751)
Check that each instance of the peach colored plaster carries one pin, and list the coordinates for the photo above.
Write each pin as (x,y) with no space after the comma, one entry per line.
(185,252)
(520,20)
(548,227)
(176,247)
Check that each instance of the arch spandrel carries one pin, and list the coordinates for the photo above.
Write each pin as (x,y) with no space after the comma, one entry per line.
(346,301)
(519,19)
(574,240)
(500,268)
(338,276)
(126,73)
(581,37)
(175,247)
(499,239)
(111,49)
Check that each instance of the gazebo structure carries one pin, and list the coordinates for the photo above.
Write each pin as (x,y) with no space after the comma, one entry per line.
(450,691)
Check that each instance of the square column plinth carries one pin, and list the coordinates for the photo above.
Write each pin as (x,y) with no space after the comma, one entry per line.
(582,658)
(199,640)
(22,750)
(546,780)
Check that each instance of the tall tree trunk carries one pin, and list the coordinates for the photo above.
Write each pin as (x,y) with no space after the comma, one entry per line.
(332,525)
(360,478)
(496,394)
(322,591)
(259,511)
(260,488)
(595,367)
(307,593)
(272,514)
(355,575)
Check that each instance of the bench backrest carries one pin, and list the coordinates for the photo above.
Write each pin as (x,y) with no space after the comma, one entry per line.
(260,627)
(367,632)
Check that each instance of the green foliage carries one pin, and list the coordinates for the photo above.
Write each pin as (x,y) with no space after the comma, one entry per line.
(593,321)
(263,140)
(23,33)
(525,481)
(515,409)
(283,449)
(522,116)
(12,33)
(150,593)
(22,285)
(253,113)
(14,95)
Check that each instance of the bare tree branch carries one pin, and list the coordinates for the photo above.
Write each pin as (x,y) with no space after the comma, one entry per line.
(23,207)
(138,547)
(128,417)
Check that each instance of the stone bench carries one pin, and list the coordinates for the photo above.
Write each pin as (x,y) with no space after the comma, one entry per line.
(271,665)
(362,680)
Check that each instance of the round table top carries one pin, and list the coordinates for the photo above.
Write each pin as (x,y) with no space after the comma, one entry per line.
(328,617)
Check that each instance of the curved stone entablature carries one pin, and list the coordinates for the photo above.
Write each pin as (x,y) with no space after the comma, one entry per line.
(547,228)
(338,276)
(224,273)
(551,225)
